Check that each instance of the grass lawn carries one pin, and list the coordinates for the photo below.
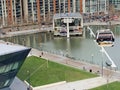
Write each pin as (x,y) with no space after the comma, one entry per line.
(42,73)
(110,86)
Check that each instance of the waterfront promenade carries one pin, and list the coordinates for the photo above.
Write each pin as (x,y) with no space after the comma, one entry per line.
(24,30)
(107,74)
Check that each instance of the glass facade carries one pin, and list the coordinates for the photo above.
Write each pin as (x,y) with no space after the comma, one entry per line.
(33,11)
(77,6)
(93,6)
(48,7)
(9,66)
(10,12)
(116,4)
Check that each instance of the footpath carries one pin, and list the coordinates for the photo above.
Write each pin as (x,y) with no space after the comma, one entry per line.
(107,76)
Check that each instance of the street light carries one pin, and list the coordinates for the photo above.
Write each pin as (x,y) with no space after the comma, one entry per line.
(108,64)
(92,57)
(47,63)
(28,88)
(102,51)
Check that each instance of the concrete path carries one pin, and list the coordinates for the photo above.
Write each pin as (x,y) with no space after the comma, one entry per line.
(77,85)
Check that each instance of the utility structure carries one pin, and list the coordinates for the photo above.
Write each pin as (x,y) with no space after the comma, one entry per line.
(66,24)
(103,51)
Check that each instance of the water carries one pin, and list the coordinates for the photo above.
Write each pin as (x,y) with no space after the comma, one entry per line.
(79,48)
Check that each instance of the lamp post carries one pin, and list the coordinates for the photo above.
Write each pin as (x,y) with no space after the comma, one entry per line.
(108,74)
(102,51)
(47,63)
(28,88)
(92,57)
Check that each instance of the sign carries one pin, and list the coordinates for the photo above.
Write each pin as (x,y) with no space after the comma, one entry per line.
(68,20)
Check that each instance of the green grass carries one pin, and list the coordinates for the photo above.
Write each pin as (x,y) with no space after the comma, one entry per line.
(40,74)
(110,86)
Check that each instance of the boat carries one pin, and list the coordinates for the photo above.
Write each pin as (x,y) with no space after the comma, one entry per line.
(105,37)
(68,24)
(63,33)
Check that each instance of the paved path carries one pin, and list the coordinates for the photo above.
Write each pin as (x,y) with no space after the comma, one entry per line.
(23,31)
(77,85)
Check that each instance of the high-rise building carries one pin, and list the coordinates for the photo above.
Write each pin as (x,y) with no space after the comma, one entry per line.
(42,10)
(115,3)
(35,11)
(10,12)
(95,6)
(11,59)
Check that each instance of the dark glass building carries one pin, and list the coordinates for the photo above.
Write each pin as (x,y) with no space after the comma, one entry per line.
(11,59)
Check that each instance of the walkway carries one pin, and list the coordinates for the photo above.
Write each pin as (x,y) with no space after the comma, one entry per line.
(77,85)
(24,31)
(102,23)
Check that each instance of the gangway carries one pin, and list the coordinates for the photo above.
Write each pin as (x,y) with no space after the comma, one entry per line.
(103,49)
(104,37)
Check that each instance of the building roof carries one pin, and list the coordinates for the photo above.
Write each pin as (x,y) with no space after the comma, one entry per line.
(10,48)
(66,15)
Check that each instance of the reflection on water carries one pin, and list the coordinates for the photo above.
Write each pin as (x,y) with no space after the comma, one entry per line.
(80,48)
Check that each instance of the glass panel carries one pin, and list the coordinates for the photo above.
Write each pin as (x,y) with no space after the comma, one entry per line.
(6,83)
(1,84)
(15,66)
(2,69)
(8,68)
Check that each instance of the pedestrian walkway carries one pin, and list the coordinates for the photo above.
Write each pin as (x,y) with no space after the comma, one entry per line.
(102,23)
(77,85)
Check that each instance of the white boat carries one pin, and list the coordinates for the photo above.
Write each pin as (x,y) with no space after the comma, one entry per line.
(74,26)
(105,37)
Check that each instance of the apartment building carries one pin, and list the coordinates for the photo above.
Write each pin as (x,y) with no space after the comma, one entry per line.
(10,12)
(36,11)
(42,10)
(95,6)
(115,3)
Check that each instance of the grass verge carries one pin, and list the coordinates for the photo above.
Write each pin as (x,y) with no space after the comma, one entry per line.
(42,72)
(110,86)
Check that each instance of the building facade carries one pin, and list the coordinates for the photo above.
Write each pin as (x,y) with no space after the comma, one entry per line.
(11,59)
(42,10)
(95,6)
(10,12)
(115,3)
(37,11)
